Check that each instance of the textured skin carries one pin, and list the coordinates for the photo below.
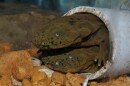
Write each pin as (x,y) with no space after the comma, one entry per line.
(101,39)
(77,60)
(85,33)
(66,31)
(82,59)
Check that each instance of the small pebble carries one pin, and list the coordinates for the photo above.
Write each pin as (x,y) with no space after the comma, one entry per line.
(15,82)
(36,62)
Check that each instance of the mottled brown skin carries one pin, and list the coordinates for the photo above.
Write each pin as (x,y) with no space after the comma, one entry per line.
(66,31)
(79,30)
(83,58)
(78,60)
(101,39)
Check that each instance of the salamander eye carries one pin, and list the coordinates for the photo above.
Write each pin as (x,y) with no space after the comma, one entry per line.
(70,57)
(57,63)
(57,34)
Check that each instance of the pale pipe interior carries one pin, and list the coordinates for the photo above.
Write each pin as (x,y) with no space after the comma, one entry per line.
(91,10)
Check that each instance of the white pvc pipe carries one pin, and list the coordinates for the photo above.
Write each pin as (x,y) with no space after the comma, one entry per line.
(118,24)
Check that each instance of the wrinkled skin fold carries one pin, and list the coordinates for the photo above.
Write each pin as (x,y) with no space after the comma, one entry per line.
(76,43)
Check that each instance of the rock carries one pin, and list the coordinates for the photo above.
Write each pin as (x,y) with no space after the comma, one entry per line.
(15,82)
(23,66)
(58,78)
(26,82)
(5,47)
(33,52)
(52,84)
(74,79)
(93,83)
(44,69)
(39,78)
(6,61)
(18,64)
(18,28)
(5,81)
(36,62)
(58,85)
(47,71)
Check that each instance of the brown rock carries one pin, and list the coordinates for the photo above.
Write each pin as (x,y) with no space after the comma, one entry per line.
(52,84)
(35,71)
(5,47)
(26,82)
(23,66)
(39,78)
(6,61)
(33,51)
(5,81)
(74,79)
(58,78)
(59,85)
(68,83)
(41,67)
(93,83)
(15,82)
(36,62)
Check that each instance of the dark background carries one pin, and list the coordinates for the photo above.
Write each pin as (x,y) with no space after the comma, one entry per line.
(58,5)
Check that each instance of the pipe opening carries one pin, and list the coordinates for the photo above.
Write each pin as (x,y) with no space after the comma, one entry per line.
(72,58)
(100,15)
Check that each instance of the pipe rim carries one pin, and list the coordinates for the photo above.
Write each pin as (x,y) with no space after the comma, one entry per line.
(100,15)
